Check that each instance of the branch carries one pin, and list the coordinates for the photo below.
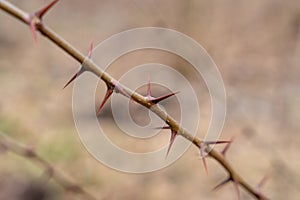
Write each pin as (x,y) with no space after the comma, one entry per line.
(36,22)
(8,144)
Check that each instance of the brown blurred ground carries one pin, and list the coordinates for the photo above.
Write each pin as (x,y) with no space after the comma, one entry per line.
(255,44)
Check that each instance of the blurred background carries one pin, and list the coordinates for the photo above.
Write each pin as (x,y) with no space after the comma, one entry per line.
(256,46)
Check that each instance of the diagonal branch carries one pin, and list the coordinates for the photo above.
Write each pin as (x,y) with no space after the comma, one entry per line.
(92,67)
(10,145)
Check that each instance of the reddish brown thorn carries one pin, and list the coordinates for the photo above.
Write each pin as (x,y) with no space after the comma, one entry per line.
(33,29)
(149,97)
(228,145)
(109,92)
(172,139)
(222,184)
(43,11)
(38,16)
(164,127)
(155,100)
(236,186)
(90,50)
(73,78)
(158,99)
(217,142)
(149,90)
(81,69)
(203,156)
(263,181)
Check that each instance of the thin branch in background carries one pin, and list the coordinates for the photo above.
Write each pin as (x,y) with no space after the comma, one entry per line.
(50,171)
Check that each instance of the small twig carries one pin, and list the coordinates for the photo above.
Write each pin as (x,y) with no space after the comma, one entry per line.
(52,172)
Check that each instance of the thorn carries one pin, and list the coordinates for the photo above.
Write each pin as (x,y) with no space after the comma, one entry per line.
(33,29)
(32,21)
(159,99)
(202,146)
(217,142)
(203,156)
(43,11)
(172,139)
(228,145)
(263,181)
(156,100)
(164,127)
(81,69)
(236,186)
(73,78)
(149,97)
(149,89)
(109,92)
(90,50)
(227,180)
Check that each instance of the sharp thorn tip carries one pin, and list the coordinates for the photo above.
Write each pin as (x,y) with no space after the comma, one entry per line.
(44,10)
(91,50)
(33,30)
(224,151)
(159,99)
(108,93)
(203,158)
(163,127)
(222,184)
(149,89)
(73,78)
(172,139)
